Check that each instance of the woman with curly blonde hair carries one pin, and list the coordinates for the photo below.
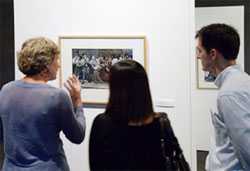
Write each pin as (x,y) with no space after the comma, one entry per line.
(34,113)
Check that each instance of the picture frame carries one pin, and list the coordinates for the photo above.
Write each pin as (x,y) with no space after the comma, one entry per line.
(91,57)
(205,80)
(211,11)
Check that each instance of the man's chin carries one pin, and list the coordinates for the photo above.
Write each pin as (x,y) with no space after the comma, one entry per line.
(205,70)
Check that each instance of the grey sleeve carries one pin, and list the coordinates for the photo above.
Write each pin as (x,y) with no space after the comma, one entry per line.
(72,120)
(1,131)
(1,124)
(236,115)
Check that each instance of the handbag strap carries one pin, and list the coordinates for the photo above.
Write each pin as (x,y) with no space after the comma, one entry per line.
(167,135)
(174,151)
(163,124)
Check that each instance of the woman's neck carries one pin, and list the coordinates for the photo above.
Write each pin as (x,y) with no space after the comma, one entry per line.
(35,79)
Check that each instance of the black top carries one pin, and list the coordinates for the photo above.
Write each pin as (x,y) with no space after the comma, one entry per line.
(121,147)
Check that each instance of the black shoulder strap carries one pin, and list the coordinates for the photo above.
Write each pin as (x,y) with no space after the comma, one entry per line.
(165,148)
(173,150)
(168,134)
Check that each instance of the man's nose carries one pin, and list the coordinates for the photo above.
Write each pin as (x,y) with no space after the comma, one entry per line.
(198,56)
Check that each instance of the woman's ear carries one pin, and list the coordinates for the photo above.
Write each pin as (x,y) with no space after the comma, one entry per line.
(45,73)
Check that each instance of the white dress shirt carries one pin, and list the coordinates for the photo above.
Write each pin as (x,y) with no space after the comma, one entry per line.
(230,150)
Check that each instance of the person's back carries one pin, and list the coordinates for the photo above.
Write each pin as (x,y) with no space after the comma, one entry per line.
(33,113)
(129,135)
(125,147)
(32,116)
(235,81)
(234,94)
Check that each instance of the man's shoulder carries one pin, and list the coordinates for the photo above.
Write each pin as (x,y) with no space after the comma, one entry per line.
(235,84)
(239,92)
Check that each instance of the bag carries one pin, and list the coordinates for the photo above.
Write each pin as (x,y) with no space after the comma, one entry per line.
(171,150)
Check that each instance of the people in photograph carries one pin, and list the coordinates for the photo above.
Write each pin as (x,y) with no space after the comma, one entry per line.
(209,77)
(75,61)
(127,135)
(114,60)
(98,64)
(81,70)
(34,113)
(96,69)
(93,62)
(78,62)
(105,68)
(218,48)
(96,76)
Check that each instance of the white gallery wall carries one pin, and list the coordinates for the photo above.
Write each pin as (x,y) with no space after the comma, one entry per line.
(169,30)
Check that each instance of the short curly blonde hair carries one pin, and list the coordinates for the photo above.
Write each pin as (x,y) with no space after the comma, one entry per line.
(36,54)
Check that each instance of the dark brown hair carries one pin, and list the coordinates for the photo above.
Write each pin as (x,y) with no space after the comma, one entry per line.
(130,97)
(221,37)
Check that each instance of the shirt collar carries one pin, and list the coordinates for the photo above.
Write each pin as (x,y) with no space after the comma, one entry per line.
(222,75)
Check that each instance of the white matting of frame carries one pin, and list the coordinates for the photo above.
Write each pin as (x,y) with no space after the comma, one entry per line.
(78,51)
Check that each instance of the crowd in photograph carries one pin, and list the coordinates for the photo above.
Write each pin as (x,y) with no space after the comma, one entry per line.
(94,69)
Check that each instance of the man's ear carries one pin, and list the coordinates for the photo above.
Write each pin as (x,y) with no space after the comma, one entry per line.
(213,53)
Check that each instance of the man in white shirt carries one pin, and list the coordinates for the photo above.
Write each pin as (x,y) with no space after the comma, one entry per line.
(218,48)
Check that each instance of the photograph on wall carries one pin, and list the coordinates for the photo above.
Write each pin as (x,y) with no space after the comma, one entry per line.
(90,59)
(92,66)
(205,78)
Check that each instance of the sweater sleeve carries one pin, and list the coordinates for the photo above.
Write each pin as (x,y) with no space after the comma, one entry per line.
(72,120)
(1,124)
(1,132)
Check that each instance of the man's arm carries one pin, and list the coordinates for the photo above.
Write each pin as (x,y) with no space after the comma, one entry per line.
(235,111)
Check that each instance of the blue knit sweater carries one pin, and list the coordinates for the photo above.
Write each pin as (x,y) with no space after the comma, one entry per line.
(32,117)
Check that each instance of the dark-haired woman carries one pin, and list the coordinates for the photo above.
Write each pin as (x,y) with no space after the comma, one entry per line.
(127,136)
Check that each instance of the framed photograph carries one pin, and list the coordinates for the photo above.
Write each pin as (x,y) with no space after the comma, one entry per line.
(232,12)
(90,59)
